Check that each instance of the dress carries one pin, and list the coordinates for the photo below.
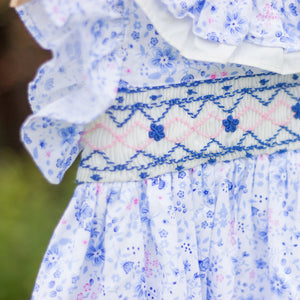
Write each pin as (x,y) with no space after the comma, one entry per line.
(188,186)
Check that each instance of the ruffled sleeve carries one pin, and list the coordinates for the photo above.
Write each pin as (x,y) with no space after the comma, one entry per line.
(263,34)
(78,83)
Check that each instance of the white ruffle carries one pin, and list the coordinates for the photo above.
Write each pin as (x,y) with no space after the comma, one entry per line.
(180,32)
(78,83)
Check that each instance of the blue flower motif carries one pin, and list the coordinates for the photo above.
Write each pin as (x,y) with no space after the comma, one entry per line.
(296,109)
(96,253)
(144,175)
(181,174)
(260,263)
(163,233)
(52,256)
(127,266)
(153,41)
(187,78)
(68,134)
(212,36)
(157,132)
(204,224)
(293,9)
(96,177)
(234,23)
(141,288)
(164,59)
(197,7)
(180,194)
(278,286)
(187,266)
(209,214)
(204,264)
(82,211)
(137,25)
(96,28)
(230,124)
(135,35)
(263,81)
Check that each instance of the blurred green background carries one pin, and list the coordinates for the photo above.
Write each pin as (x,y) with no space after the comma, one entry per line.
(29,206)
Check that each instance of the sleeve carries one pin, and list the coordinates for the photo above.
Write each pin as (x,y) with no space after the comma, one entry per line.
(263,34)
(78,83)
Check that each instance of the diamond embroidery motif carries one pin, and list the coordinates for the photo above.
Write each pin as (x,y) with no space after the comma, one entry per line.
(192,122)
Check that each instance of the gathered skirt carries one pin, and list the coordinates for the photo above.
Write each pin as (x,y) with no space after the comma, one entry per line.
(228,230)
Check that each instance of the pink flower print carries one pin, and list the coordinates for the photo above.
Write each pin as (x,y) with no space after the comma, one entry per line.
(87,287)
(220,277)
(272,221)
(213,76)
(80,296)
(94,296)
(224,73)
(135,201)
(99,189)
(252,274)
(155,263)
(232,233)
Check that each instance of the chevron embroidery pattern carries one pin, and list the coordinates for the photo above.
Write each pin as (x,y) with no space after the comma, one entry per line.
(151,131)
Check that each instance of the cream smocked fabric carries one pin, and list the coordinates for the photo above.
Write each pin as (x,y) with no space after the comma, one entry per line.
(153,131)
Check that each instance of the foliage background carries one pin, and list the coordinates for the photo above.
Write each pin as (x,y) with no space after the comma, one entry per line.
(29,206)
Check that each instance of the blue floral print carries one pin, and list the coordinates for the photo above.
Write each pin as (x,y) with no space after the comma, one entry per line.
(234,23)
(164,58)
(269,23)
(96,253)
(124,40)
(96,28)
(220,247)
(202,233)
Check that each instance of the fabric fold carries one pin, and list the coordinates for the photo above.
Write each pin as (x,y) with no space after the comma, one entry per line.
(231,32)
(79,82)
(223,229)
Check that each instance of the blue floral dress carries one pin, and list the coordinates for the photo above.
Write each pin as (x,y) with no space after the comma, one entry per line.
(220,217)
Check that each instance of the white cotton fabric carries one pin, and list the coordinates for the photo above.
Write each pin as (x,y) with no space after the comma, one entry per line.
(228,230)
(180,33)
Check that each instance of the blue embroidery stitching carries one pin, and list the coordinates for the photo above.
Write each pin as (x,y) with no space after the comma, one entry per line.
(296,109)
(157,131)
(230,124)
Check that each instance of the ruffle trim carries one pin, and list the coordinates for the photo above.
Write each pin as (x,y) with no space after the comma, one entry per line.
(78,83)
(180,33)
